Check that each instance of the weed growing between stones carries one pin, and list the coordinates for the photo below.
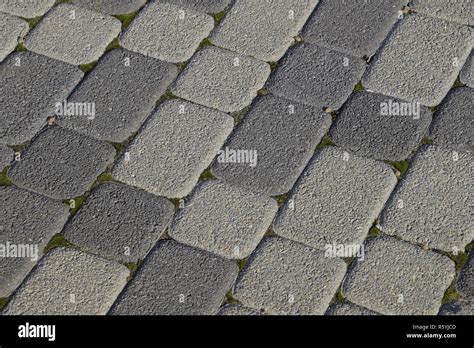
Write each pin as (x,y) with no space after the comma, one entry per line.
(326,141)
(229,298)
(206,175)
(400,166)
(3,302)
(126,19)
(88,67)
(58,241)
(4,179)
(217,17)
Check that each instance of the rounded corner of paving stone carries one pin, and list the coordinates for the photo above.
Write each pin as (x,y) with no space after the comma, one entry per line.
(12,30)
(26,9)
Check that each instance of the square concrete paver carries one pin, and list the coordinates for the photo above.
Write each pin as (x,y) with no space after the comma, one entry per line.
(467,72)
(177,280)
(432,203)
(460,11)
(262,29)
(221,79)
(316,76)
(6,157)
(377,126)
(119,222)
(204,221)
(353,27)
(348,308)
(167,32)
(73,34)
(206,6)
(69,282)
(112,7)
(336,200)
(122,89)
(434,53)
(26,8)
(30,86)
(398,278)
(280,137)
(176,145)
(284,277)
(12,30)
(28,221)
(61,164)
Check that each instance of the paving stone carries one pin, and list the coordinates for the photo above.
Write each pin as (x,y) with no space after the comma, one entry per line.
(221,79)
(120,222)
(124,88)
(73,34)
(12,29)
(6,157)
(458,308)
(284,135)
(30,86)
(434,53)
(467,73)
(177,280)
(398,278)
(177,144)
(167,32)
(112,7)
(28,222)
(357,27)
(206,6)
(370,125)
(284,277)
(238,310)
(347,191)
(69,282)
(453,126)
(266,37)
(26,8)
(348,308)
(431,205)
(61,164)
(465,282)
(204,221)
(460,11)
(316,76)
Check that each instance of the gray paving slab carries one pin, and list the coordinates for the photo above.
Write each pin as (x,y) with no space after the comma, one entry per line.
(167,32)
(460,11)
(316,76)
(347,192)
(381,127)
(280,137)
(177,144)
(122,89)
(177,280)
(348,308)
(12,30)
(457,308)
(69,282)
(266,37)
(27,223)
(284,277)
(398,278)
(356,28)
(221,79)
(465,282)
(435,52)
(205,220)
(112,7)
(6,157)
(431,205)
(237,310)
(467,72)
(30,86)
(61,164)
(206,6)
(73,34)
(453,125)
(119,222)
(26,8)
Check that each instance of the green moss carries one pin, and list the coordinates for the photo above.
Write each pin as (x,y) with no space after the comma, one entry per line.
(242,263)
(205,43)
(33,22)
(229,299)
(21,48)
(262,92)
(326,141)
(88,67)
(104,177)
(76,203)
(281,199)
(168,95)
(177,202)
(3,302)
(338,297)
(401,166)
(427,141)
(458,83)
(181,66)
(206,175)
(217,17)
(126,19)
(359,87)
(273,65)
(450,295)
(4,180)
(113,45)
(239,115)
(58,241)
(374,232)
(348,260)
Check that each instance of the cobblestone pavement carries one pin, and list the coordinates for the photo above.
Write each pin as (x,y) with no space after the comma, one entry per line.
(236,157)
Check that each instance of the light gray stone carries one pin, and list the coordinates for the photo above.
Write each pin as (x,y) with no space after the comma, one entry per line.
(355,27)
(167,32)
(434,52)
(348,308)
(453,125)
(431,205)
(458,308)
(365,127)
(12,30)
(336,200)
(6,157)
(69,282)
(176,145)
(112,7)
(61,164)
(467,73)
(206,6)
(30,220)
(221,79)
(223,219)
(119,222)
(30,86)
(73,34)
(238,310)
(465,282)
(26,8)
(460,11)
(284,277)
(177,280)
(262,29)
(399,278)
(316,76)
(124,88)
(282,135)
